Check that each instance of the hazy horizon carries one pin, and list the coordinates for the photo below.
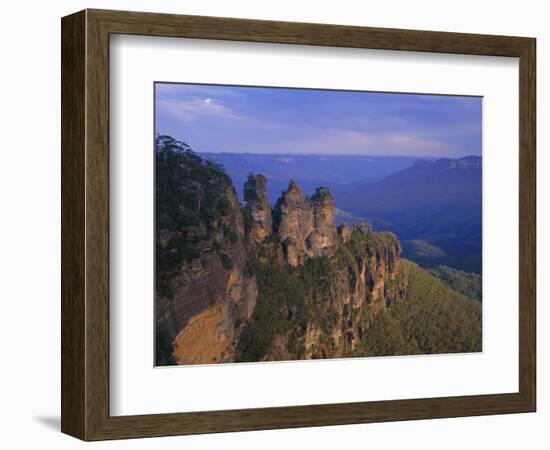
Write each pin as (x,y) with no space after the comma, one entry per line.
(330,155)
(290,121)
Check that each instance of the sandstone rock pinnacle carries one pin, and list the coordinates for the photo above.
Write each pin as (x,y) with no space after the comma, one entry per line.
(258,209)
(323,237)
(305,225)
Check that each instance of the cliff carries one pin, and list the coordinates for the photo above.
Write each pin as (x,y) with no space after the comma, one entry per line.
(324,307)
(203,295)
(254,283)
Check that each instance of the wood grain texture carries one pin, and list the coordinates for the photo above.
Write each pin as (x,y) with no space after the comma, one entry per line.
(85,224)
(73,226)
(201,27)
(527,224)
(97,225)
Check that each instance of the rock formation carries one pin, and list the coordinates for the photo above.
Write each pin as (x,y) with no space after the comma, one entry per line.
(304,225)
(215,260)
(258,209)
(211,297)
(344,233)
(203,294)
(362,281)
(293,222)
(321,241)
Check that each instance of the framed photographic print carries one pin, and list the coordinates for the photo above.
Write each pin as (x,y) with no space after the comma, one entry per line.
(271,224)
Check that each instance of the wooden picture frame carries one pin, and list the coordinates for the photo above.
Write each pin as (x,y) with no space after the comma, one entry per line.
(85,224)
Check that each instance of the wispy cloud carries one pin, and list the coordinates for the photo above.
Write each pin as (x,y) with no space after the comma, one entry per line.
(330,141)
(268,120)
(192,109)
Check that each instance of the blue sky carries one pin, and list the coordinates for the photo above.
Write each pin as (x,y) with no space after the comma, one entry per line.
(301,121)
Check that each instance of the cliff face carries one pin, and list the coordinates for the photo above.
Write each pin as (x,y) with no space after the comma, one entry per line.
(342,294)
(212,297)
(203,295)
(256,283)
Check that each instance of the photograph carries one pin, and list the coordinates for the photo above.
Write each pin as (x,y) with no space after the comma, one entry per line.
(262,226)
(305,224)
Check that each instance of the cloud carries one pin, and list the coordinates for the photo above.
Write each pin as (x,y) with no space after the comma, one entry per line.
(232,119)
(342,141)
(192,109)
(413,145)
(323,140)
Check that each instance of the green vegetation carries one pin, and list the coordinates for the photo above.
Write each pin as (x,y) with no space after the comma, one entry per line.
(288,300)
(361,241)
(225,260)
(466,283)
(431,319)
(431,252)
(190,199)
(190,191)
(321,194)
(163,347)
(422,249)
(280,295)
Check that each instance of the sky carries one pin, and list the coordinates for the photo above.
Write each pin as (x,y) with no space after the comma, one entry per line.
(236,119)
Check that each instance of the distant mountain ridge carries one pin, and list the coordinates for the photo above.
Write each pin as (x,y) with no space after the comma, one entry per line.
(466,162)
(444,185)
(310,171)
(435,202)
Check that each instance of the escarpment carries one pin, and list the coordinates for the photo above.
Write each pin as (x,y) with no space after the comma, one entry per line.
(324,307)
(203,293)
(254,282)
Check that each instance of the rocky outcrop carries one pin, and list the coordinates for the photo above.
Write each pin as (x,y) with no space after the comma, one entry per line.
(293,222)
(210,335)
(322,239)
(216,262)
(211,298)
(305,225)
(203,293)
(344,233)
(363,279)
(257,209)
